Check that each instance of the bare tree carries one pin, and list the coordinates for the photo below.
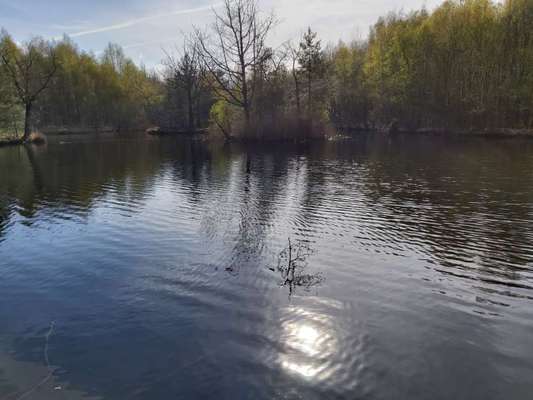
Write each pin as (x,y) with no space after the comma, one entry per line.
(31,70)
(185,72)
(294,56)
(234,50)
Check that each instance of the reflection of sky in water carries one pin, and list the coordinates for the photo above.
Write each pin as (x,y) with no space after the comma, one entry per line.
(309,344)
(128,249)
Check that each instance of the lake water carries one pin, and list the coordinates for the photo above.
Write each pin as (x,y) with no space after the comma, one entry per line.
(145,268)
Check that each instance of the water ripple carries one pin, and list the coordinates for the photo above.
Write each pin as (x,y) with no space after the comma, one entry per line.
(165,256)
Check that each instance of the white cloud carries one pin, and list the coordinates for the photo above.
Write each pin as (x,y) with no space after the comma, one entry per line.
(150,31)
(136,21)
(336,19)
(175,39)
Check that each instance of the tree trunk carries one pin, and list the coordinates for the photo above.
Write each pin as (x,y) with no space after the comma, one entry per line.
(309,105)
(244,90)
(191,110)
(247,116)
(27,122)
(297,94)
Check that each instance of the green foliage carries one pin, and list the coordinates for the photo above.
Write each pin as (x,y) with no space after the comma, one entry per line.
(111,92)
(188,95)
(310,56)
(313,68)
(349,104)
(11,113)
(466,65)
(84,91)
(11,120)
(222,116)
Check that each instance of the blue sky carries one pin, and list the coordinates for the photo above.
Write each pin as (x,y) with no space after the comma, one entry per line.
(145,27)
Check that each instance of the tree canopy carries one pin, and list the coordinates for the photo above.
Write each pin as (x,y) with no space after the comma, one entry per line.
(468,64)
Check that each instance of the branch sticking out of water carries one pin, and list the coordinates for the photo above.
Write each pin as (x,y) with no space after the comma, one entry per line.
(292,262)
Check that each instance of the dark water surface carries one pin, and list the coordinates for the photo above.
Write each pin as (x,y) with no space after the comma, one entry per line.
(153,258)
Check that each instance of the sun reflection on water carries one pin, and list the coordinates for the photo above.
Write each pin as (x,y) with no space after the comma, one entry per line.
(306,340)
(306,371)
(309,342)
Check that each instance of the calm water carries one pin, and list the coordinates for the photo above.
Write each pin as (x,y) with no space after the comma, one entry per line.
(156,260)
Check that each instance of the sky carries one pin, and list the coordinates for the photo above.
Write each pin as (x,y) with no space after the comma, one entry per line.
(147,28)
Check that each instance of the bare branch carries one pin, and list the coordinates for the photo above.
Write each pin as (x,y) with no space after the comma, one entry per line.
(235,51)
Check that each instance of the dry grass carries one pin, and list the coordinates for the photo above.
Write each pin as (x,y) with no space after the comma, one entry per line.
(285,127)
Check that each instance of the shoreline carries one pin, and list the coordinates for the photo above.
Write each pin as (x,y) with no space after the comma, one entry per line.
(499,133)
(487,133)
(80,130)
(10,142)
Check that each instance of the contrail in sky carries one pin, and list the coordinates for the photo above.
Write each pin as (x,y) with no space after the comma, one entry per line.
(132,22)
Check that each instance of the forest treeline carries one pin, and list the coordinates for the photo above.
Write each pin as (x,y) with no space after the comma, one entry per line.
(467,65)
(60,86)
